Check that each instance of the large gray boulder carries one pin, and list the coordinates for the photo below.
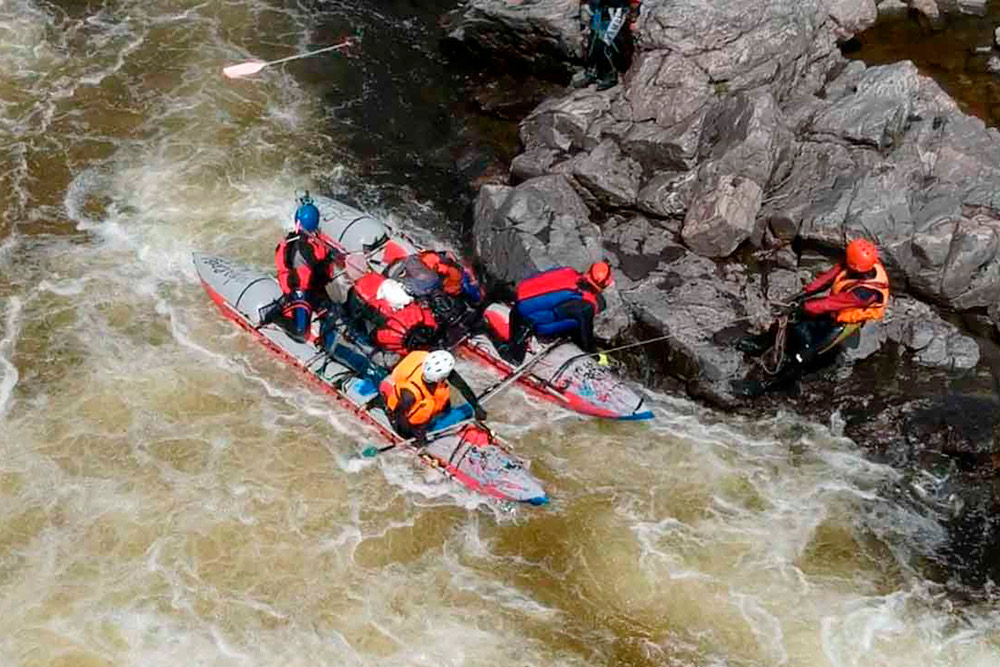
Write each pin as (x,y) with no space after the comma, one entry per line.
(722,215)
(613,178)
(543,34)
(693,300)
(540,224)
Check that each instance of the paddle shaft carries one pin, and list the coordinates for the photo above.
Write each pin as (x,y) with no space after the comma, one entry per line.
(494,389)
(341,45)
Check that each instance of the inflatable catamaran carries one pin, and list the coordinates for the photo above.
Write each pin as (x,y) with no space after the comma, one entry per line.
(462,449)
(565,376)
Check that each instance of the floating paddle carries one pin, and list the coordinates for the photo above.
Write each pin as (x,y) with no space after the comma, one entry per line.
(253,66)
(489,393)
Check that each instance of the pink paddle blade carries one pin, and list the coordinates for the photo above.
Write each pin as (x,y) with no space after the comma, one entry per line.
(244,69)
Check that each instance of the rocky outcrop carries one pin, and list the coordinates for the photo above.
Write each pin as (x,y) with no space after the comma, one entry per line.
(933,10)
(731,164)
(739,125)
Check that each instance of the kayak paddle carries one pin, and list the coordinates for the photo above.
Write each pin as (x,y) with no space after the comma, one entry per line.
(254,66)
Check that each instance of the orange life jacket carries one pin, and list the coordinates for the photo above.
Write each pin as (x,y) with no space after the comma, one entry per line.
(397,328)
(880,283)
(408,376)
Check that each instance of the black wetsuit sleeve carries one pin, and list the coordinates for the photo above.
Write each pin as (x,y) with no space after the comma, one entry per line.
(464,389)
(399,421)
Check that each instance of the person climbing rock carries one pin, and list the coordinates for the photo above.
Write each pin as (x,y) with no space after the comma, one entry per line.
(417,392)
(557,302)
(606,51)
(858,292)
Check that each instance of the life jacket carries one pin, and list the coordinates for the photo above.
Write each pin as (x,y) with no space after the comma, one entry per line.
(398,331)
(408,376)
(880,283)
(539,295)
(301,262)
(427,273)
(417,277)
(446,267)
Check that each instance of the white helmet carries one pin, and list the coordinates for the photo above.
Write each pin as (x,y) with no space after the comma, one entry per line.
(438,365)
(394,293)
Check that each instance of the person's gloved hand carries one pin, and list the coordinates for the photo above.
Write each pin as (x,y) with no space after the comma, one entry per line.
(480,413)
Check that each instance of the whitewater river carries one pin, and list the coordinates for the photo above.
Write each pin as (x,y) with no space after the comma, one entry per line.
(170,495)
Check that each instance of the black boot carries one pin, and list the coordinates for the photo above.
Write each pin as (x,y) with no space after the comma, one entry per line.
(609,80)
(584,78)
(755,345)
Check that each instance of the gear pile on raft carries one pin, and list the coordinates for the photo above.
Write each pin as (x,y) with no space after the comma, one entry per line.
(376,321)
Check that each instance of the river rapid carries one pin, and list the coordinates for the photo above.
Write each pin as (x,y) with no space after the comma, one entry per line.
(171,495)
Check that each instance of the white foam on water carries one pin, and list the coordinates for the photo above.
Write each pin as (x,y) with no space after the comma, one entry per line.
(766,499)
(7,249)
(8,371)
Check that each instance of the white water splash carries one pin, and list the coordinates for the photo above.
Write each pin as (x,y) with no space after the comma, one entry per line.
(8,371)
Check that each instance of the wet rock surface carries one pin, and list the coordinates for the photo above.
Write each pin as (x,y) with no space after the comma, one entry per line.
(733,161)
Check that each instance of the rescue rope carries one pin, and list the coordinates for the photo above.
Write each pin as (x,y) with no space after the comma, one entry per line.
(776,354)
(565,364)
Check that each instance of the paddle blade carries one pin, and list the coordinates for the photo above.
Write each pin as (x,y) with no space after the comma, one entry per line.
(369,452)
(244,69)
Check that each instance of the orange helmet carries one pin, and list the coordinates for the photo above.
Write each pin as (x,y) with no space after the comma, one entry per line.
(599,274)
(861,255)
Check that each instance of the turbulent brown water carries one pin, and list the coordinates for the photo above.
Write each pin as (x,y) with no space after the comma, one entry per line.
(170,495)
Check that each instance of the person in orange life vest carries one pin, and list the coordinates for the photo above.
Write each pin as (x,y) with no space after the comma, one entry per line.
(557,302)
(859,291)
(417,392)
(381,310)
(305,266)
(859,287)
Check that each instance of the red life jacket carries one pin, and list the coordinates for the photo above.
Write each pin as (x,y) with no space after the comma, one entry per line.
(303,263)
(539,295)
(398,330)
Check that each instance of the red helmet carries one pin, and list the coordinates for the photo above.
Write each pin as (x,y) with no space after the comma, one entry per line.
(861,255)
(599,274)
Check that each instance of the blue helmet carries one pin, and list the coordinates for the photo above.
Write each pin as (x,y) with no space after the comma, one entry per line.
(307,217)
